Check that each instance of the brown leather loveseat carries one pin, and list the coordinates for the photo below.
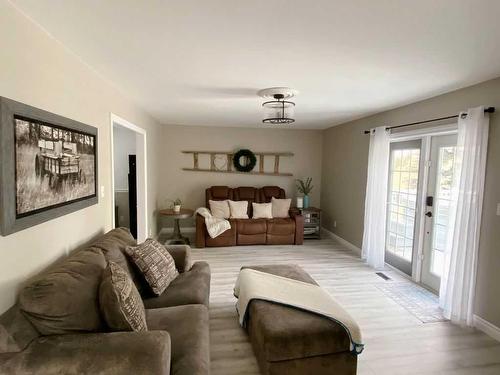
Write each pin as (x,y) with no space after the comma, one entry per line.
(282,231)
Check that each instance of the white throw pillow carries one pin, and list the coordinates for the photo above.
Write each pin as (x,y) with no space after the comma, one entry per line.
(262,210)
(281,207)
(219,209)
(238,209)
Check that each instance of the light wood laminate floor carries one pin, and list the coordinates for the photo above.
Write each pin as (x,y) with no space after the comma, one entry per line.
(396,342)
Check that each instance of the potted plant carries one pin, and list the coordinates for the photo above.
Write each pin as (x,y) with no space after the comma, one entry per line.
(304,187)
(176,204)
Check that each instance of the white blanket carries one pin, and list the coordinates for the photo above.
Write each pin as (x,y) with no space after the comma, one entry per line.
(215,226)
(252,284)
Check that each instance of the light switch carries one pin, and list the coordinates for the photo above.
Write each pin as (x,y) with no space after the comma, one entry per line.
(498,209)
(102,191)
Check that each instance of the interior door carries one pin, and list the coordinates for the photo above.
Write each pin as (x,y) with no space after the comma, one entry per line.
(441,171)
(132,194)
(404,172)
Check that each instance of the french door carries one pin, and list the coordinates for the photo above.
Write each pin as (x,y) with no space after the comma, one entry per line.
(421,173)
(438,202)
(403,195)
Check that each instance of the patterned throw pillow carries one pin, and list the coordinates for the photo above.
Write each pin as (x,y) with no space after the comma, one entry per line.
(120,301)
(155,263)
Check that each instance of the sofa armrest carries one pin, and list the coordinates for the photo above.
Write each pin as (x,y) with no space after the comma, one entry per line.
(94,353)
(181,255)
(201,231)
(299,226)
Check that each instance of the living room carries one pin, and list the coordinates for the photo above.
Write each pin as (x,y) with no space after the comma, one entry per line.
(389,266)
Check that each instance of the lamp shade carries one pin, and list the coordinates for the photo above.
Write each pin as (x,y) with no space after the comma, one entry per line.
(278,111)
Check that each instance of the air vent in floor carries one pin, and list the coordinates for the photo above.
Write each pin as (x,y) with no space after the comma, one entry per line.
(383,275)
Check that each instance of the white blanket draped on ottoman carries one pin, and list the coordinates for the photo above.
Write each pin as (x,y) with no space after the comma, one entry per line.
(252,284)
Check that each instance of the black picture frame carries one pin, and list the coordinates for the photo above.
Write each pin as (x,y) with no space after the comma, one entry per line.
(11,220)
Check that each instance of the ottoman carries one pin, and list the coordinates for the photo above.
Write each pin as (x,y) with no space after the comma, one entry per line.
(289,341)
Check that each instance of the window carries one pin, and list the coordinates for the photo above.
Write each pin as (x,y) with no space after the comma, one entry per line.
(444,182)
(403,188)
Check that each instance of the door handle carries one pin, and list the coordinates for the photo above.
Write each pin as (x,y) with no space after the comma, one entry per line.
(428,214)
(429,201)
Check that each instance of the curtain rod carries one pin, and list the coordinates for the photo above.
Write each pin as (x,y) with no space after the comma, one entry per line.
(486,110)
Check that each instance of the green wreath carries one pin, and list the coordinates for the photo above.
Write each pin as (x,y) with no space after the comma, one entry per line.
(251,160)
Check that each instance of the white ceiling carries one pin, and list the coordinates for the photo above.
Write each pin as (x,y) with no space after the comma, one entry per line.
(201,62)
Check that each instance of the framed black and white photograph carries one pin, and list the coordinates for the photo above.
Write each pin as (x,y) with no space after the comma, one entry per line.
(49,166)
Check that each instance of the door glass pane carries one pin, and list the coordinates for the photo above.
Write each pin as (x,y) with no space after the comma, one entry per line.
(402,202)
(442,207)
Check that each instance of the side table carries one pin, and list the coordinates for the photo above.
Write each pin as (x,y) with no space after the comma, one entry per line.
(312,222)
(184,213)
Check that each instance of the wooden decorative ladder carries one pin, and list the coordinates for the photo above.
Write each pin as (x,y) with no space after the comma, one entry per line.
(229,164)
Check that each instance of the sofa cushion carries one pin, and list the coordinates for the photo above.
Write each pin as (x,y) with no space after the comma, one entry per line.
(227,238)
(218,193)
(188,327)
(189,287)
(181,255)
(64,299)
(251,239)
(251,226)
(239,209)
(277,239)
(246,193)
(115,353)
(16,332)
(280,207)
(281,226)
(113,245)
(220,209)
(262,211)
(120,302)
(267,192)
(155,263)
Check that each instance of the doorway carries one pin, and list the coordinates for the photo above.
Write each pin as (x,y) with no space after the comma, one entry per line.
(129,181)
(421,172)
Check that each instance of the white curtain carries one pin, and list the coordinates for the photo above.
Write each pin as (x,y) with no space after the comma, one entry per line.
(459,276)
(376,198)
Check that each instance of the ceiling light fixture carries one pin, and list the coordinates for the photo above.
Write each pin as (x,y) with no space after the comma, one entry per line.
(279,110)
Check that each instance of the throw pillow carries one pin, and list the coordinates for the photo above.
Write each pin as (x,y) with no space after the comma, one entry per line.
(219,209)
(120,301)
(280,207)
(262,210)
(155,263)
(238,209)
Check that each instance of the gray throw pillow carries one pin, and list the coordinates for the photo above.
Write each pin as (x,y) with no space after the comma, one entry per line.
(120,301)
(155,263)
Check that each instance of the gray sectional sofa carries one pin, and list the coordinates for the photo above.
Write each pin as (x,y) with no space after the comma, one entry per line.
(56,327)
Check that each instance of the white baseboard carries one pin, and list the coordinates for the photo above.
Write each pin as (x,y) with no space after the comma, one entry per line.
(170,230)
(346,243)
(490,329)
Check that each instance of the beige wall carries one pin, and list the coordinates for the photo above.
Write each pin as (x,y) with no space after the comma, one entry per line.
(37,70)
(190,186)
(345,159)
